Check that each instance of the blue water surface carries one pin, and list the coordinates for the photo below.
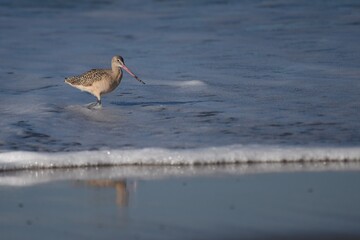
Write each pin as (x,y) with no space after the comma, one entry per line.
(217,73)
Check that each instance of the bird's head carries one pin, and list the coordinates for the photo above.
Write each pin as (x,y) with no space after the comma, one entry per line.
(119,62)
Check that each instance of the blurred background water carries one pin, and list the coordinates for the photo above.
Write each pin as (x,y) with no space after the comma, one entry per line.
(217,73)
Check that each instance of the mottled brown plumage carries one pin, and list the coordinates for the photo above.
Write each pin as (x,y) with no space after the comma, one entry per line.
(88,78)
(101,81)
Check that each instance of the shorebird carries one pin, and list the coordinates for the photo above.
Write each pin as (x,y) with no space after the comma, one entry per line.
(101,81)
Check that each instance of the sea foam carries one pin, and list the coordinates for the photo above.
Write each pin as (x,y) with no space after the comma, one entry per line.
(233,154)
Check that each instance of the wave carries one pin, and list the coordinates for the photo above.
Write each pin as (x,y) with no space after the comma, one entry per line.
(180,83)
(233,154)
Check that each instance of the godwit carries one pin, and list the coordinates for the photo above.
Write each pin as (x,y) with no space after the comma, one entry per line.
(100,81)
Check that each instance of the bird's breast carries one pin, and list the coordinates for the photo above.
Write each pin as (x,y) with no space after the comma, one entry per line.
(109,84)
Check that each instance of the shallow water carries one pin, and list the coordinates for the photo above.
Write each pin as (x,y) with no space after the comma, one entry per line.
(263,206)
(217,73)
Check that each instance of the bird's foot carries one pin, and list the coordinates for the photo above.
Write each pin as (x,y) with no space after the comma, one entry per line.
(94,105)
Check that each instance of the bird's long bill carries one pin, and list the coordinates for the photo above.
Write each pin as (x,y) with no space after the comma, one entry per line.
(131,73)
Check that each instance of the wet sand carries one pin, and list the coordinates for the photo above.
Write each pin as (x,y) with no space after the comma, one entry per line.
(217,204)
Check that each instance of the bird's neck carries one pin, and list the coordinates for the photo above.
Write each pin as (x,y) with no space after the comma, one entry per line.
(116,72)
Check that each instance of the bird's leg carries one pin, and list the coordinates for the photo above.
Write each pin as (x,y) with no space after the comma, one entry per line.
(95,105)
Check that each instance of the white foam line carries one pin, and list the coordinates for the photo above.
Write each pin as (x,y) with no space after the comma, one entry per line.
(159,156)
(181,83)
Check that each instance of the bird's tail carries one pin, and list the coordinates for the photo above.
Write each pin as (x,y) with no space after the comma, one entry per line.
(67,80)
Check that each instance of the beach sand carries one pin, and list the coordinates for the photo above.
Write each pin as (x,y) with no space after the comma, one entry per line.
(181,203)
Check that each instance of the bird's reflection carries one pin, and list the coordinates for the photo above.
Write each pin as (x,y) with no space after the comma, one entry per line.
(122,193)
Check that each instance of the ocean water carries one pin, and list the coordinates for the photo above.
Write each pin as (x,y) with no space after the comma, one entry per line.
(226,82)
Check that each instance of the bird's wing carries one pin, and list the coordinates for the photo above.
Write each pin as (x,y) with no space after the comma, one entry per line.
(88,78)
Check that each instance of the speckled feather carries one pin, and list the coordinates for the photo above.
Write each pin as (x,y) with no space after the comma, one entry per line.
(88,78)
